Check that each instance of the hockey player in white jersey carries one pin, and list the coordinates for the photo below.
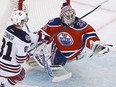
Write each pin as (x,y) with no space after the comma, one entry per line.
(14,50)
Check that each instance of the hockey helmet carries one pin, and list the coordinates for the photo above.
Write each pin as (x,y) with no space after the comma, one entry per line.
(67,14)
(19,17)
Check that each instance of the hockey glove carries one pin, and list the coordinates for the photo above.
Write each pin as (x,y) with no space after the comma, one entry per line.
(42,37)
(27,57)
(99,49)
(49,40)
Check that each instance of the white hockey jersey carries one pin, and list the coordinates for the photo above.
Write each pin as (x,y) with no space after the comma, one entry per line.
(13,52)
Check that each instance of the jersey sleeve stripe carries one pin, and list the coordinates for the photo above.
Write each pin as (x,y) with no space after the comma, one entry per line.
(21,59)
(12,69)
(89,35)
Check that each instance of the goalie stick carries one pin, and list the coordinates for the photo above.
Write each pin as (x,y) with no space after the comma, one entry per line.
(45,64)
(55,72)
(58,72)
(65,27)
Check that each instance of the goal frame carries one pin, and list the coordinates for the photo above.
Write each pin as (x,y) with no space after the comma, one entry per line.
(20,4)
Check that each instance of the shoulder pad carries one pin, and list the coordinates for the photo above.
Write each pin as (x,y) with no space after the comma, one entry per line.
(55,21)
(22,35)
(80,24)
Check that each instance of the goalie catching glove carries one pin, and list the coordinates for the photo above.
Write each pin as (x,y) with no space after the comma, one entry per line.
(42,37)
(98,49)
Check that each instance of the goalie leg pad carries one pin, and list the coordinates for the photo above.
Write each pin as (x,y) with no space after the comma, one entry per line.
(62,77)
(60,73)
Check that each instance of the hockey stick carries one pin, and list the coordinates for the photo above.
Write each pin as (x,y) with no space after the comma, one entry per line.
(94,8)
(46,65)
(67,26)
(57,72)
(27,28)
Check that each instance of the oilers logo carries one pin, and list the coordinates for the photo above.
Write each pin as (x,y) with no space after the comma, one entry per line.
(65,39)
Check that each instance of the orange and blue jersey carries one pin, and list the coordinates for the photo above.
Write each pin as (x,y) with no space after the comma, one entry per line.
(73,39)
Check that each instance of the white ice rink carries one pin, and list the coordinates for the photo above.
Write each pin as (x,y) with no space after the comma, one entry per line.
(88,72)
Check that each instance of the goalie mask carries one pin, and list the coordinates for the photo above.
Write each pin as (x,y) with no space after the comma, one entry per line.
(19,17)
(67,14)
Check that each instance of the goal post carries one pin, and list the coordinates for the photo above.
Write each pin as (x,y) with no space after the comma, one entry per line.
(20,4)
(68,1)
